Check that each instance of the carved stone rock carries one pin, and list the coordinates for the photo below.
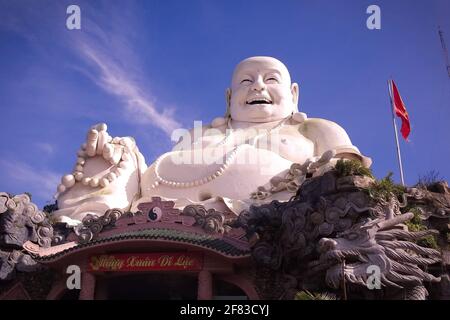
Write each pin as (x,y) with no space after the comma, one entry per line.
(325,237)
(20,221)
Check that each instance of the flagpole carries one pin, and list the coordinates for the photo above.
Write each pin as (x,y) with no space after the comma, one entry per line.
(396,135)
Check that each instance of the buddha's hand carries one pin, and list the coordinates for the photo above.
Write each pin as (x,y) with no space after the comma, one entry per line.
(99,142)
(118,152)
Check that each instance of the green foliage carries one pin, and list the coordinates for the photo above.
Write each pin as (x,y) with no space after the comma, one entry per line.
(428,242)
(384,188)
(415,225)
(416,219)
(306,295)
(346,168)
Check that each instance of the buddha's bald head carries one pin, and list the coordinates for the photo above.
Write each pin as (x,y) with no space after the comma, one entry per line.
(261,62)
(261,91)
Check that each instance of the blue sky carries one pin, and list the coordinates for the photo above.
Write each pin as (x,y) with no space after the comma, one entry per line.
(145,67)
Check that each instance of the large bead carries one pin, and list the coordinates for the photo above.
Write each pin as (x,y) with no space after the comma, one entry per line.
(78,175)
(81,161)
(68,180)
(94,182)
(111,176)
(104,182)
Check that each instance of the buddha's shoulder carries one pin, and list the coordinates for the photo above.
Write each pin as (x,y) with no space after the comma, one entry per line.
(314,126)
(324,133)
(217,126)
(328,135)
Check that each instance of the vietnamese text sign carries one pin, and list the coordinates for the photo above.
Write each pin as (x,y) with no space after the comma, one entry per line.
(146,262)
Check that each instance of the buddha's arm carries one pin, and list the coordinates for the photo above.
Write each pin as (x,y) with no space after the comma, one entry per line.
(328,135)
(106,175)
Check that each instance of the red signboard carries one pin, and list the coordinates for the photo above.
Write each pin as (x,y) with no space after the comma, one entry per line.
(146,262)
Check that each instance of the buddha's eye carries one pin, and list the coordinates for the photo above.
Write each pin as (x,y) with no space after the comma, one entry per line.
(246,81)
(272,80)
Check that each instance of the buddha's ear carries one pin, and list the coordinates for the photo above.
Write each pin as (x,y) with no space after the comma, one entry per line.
(295,93)
(228,100)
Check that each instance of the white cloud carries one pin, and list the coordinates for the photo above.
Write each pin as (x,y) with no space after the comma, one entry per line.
(40,183)
(113,79)
(109,42)
(117,69)
(45,147)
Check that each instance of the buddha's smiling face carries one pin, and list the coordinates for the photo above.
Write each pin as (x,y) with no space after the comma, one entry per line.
(261,91)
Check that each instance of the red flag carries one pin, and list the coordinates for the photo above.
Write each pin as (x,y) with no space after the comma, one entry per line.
(400,111)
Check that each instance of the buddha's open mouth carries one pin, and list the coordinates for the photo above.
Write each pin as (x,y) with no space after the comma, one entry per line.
(258,101)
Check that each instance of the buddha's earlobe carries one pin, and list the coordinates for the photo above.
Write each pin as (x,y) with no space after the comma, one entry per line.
(228,101)
(295,94)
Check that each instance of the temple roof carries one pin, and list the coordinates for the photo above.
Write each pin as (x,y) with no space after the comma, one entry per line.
(210,242)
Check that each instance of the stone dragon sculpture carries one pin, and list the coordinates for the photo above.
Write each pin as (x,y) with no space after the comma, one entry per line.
(334,230)
(380,243)
(434,205)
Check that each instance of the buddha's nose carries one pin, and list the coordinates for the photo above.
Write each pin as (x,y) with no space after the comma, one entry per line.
(258,85)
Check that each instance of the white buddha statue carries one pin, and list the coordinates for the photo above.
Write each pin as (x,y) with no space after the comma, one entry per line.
(221,165)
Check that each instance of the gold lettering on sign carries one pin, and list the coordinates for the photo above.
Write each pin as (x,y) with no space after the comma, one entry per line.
(106,262)
(141,262)
(184,261)
(165,261)
(134,261)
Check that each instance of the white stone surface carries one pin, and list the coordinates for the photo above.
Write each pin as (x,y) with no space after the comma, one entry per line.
(97,188)
(260,137)
(261,97)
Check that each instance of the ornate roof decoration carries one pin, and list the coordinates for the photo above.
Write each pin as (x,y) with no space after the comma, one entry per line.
(20,221)
(219,245)
(156,220)
(92,225)
(155,212)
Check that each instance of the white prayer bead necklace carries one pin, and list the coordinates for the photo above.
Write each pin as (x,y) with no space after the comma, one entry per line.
(189,184)
(218,172)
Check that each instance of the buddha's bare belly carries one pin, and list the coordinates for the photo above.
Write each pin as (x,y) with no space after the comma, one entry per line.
(248,169)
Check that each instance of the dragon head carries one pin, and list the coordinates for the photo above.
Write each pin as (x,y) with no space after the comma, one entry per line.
(380,247)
